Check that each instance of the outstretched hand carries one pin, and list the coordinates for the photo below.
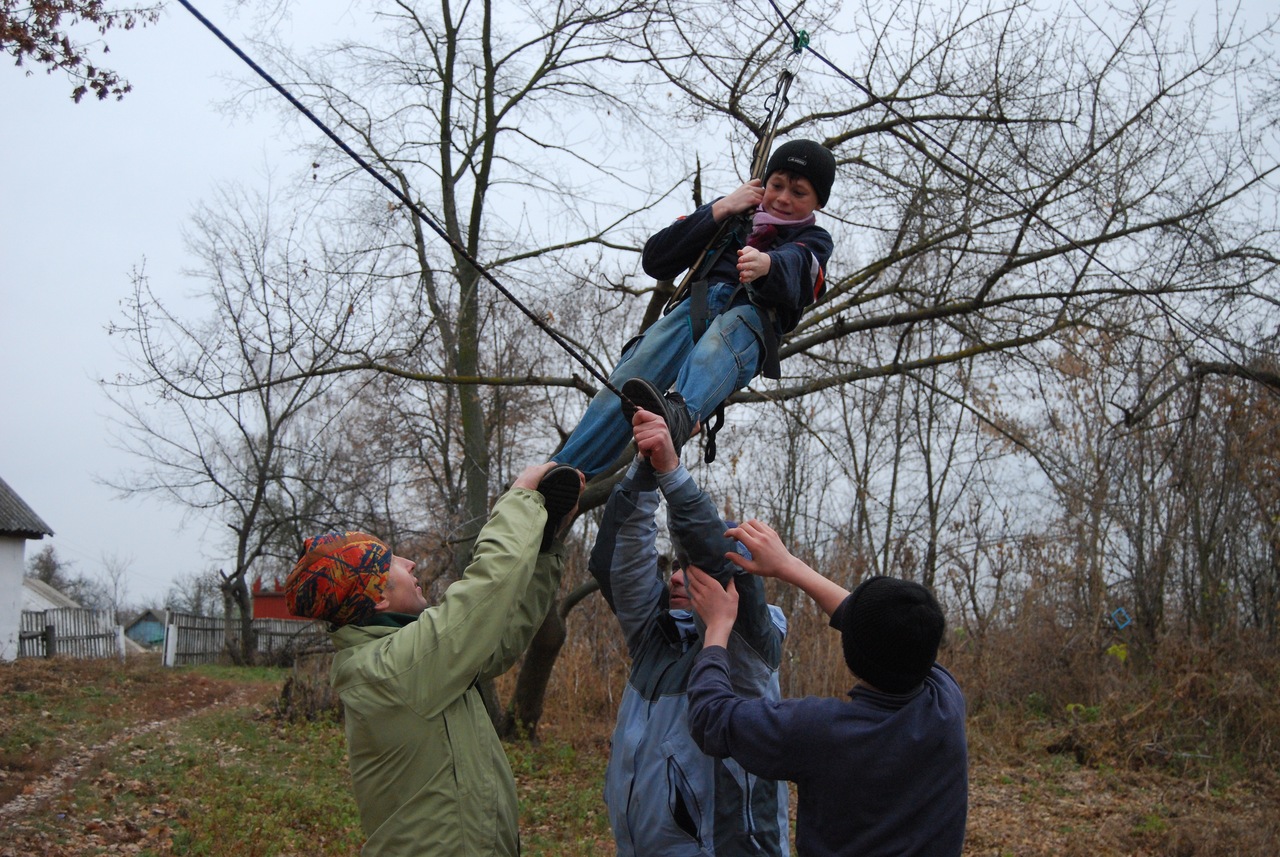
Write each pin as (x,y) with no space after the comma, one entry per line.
(769,556)
(717,605)
(753,264)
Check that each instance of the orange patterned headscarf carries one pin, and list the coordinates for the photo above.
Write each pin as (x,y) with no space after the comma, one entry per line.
(339,578)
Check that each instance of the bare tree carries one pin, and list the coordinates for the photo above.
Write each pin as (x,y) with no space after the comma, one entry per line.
(48,567)
(1008,179)
(197,593)
(276,314)
(115,583)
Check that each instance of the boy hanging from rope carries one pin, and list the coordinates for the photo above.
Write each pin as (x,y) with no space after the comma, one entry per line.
(746,293)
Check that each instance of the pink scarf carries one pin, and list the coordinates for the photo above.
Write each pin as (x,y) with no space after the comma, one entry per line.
(764,228)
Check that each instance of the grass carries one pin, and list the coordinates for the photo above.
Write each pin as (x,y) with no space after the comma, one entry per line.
(1180,764)
(275,790)
(231,780)
(561,811)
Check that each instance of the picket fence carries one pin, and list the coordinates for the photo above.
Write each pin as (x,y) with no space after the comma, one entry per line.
(71,631)
(191,639)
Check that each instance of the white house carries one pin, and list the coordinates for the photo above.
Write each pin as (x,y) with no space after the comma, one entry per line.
(18,523)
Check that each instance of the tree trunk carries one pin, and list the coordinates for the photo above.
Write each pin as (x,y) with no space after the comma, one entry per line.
(525,709)
(236,592)
(527,701)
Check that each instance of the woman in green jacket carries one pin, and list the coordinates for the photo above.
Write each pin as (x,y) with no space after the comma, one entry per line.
(428,770)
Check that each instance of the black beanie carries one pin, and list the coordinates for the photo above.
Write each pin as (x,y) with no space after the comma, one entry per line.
(805,158)
(891,630)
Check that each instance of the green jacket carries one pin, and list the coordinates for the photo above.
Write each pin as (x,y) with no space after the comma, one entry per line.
(429,773)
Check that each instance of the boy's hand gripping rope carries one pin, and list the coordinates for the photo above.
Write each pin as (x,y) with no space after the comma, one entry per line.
(410,204)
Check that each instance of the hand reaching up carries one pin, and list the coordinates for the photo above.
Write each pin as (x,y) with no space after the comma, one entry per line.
(769,556)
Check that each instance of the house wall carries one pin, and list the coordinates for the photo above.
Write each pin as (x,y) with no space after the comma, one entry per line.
(12,555)
(270,605)
(148,632)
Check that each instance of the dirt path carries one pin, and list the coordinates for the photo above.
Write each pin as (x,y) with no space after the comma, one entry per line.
(67,771)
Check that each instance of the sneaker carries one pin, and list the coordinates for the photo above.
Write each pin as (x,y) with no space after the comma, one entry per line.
(670,406)
(559,488)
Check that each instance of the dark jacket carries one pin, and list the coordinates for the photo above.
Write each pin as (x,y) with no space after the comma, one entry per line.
(797,272)
(877,774)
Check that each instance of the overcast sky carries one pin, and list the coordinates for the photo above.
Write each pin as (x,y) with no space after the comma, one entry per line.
(88,192)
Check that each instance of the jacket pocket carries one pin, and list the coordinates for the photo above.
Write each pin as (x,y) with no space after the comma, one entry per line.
(682,801)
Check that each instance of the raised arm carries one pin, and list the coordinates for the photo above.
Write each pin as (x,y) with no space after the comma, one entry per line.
(696,522)
(452,642)
(529,612)
(625,558)
(669,251)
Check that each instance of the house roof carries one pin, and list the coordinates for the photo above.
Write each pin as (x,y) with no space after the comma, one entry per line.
(54,596)
(145,616)
(17,518)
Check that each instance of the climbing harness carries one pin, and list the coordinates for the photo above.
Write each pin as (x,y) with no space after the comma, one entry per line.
(739,224)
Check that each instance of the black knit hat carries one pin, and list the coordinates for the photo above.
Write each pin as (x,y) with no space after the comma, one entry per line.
(805,158)
(891,630)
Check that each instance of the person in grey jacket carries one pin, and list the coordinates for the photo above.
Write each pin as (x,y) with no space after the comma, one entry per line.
(664,795)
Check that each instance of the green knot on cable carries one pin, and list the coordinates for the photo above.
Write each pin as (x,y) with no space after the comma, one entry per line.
(801,41)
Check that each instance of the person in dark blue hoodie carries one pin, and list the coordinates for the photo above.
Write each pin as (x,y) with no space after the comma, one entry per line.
(727,331)
(883,772)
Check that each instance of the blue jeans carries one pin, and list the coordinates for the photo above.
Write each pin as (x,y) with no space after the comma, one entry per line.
(725,359)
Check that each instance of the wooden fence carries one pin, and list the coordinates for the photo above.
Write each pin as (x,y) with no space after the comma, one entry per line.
(190,639)
(70,631)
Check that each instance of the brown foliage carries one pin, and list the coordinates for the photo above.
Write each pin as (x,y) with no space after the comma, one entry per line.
(37,30)
(307,694)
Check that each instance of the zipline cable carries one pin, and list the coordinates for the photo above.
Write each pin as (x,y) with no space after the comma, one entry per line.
(802,43)
(421,214)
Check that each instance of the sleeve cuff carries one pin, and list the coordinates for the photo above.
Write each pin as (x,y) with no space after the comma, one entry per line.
(641,476)
(671,482)
(837,615)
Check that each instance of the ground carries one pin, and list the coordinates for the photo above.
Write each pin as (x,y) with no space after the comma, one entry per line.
(90,749)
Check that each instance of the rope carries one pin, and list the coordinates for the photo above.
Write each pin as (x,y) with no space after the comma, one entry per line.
(801,42)
(421,214)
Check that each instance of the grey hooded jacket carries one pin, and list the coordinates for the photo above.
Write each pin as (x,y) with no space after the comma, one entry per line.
(664,795)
